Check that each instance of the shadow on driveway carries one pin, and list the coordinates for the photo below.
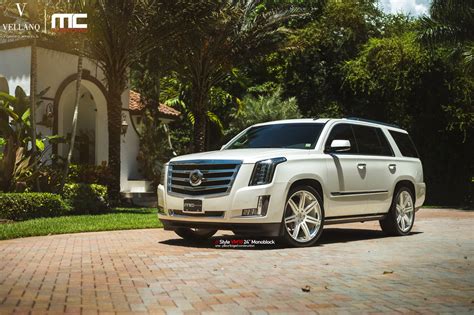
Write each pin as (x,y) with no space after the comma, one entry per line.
(329,236)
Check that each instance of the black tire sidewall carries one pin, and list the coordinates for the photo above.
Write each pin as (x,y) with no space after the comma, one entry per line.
(286,237)
(393,210)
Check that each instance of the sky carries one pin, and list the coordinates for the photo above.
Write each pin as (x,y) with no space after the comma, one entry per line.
(411,7)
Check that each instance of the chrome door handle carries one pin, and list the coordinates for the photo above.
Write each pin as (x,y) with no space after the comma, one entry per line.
(361,166)
(392,167)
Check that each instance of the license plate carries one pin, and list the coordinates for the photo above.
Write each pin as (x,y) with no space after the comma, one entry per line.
(192,205)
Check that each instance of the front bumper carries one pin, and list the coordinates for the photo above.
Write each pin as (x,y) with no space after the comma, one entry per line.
(225,211)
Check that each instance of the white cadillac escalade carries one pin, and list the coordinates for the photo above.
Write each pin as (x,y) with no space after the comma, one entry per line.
(290,178)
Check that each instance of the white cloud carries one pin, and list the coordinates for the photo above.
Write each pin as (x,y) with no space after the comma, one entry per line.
(411,7)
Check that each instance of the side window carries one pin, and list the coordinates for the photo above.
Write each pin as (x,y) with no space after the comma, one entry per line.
(386,149)
(369,141)
(404,143)
(342,132)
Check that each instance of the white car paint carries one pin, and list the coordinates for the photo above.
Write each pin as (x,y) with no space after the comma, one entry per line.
(347,190)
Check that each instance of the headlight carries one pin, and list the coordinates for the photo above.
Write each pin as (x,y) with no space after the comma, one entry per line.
(264,170)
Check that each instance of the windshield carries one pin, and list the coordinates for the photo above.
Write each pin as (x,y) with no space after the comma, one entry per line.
(294,136)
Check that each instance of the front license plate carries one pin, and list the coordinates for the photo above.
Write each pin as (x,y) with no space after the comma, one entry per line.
(192,205)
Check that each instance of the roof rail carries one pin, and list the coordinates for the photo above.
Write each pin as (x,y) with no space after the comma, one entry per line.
(372,121)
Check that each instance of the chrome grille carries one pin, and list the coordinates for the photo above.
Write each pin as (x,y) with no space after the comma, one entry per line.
(218,177)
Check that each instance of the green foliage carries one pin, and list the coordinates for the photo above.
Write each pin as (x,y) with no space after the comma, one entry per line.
(23,206)
(262,108)
(88,174)
(19,164)
(2,143)
(317,51)
(86,198)
(451,24)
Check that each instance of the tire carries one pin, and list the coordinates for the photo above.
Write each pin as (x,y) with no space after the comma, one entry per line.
(195,234)
(401,216)
(306,219)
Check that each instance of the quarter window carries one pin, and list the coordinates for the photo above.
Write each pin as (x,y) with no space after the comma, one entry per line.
(385,146)
(404,143)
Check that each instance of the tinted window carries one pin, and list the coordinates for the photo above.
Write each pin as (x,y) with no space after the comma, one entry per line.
(386,149)
(404,143)
(296,136)
(370,141)
(342,132)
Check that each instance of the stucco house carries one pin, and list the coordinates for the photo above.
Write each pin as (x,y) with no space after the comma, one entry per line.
(57,70)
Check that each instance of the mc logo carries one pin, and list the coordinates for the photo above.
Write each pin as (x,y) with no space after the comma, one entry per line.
(72,23)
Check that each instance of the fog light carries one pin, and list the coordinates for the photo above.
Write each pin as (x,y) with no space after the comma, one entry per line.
(249,212)
(262,207)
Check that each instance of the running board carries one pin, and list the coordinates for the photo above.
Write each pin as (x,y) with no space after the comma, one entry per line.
(354,218)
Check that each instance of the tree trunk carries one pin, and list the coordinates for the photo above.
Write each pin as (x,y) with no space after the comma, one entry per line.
(114,118)
(200,124)
(75,115)
(199,99)
(33,93)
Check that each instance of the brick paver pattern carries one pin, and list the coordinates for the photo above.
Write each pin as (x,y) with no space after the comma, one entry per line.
(355,268)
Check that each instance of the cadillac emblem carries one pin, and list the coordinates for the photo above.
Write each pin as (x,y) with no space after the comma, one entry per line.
(195,178)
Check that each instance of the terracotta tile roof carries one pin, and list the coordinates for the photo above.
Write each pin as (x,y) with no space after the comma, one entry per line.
(135,104)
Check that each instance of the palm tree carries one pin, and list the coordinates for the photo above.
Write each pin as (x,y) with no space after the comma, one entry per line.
(451,22)
(235,31)
(121,32)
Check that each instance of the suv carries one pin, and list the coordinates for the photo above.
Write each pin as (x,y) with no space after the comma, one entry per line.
(289,178)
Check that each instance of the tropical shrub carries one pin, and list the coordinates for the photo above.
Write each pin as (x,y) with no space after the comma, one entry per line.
(19,163)
(268,106)
(88,174)
(86,198)
(23,206)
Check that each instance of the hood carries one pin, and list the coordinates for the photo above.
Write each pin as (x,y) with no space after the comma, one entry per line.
(245,155)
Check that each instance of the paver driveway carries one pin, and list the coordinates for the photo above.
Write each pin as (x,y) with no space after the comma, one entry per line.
(355,269)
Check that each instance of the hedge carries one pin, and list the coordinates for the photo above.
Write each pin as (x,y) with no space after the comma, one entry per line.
(86,198)
(23,206)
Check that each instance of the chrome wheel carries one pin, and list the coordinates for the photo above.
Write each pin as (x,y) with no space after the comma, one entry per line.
(302,216)
(404,211)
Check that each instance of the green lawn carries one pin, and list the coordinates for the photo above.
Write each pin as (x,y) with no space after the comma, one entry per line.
(117,219)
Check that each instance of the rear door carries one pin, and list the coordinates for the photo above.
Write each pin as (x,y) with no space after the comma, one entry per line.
(346,180)
(380,167)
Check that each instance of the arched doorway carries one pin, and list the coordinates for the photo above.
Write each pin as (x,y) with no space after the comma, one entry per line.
(91,134)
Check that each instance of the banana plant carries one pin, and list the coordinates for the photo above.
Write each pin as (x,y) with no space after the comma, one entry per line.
(18,165)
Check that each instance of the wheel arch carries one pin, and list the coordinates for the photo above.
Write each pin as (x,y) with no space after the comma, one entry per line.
(408,184)
(312,182)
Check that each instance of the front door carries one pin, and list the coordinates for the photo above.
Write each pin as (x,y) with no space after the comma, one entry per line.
(347,176)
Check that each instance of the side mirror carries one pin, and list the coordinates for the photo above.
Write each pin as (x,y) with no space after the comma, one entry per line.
(340,145)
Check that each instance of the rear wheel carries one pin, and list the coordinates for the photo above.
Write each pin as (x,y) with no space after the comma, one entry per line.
(191,234)
(401,216)
(303,217)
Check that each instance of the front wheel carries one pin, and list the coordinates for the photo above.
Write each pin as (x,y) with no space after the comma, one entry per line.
(195,234)
(303,217)
(401,216)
